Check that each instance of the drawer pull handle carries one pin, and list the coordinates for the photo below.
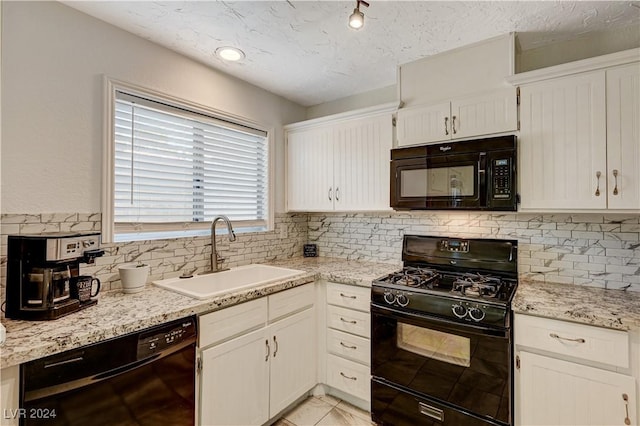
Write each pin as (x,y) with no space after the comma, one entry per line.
(347,321)
(429,411)
(348,377)
(347,346)
(347,296)
(625,397)
(555,336)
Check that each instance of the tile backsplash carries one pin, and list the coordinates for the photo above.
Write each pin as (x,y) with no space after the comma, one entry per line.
(167,258)
(582,249)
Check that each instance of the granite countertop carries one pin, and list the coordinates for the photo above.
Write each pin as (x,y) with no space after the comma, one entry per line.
(117,313)
(615,309)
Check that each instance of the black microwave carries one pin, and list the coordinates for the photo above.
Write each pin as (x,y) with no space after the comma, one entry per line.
(467,175)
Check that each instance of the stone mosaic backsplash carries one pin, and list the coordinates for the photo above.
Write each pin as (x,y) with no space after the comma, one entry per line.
(583,249)
(167,258)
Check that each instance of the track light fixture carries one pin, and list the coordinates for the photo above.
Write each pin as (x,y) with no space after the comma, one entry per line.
(356,20)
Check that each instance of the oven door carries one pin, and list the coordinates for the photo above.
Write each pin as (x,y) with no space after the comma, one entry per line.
(464,370)
(454,181)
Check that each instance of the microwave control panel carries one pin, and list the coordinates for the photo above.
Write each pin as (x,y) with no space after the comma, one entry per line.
(501,178)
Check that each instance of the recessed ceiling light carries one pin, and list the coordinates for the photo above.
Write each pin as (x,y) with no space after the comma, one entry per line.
(229,53)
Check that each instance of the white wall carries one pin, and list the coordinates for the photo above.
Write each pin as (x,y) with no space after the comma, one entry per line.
(361,100)
(53,62)
(587,46)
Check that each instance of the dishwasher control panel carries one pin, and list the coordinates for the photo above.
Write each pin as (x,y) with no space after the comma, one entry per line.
(166,336)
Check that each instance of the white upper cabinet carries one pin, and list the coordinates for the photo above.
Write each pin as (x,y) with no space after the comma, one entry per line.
(423,124)
(580,135)
(623,137)
(340,165)
(442,100)
(483,114)
(310,169)
(563,143)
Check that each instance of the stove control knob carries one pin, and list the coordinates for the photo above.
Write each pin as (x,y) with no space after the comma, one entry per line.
(402,299)
(389,297)
(459,310)
(476,314)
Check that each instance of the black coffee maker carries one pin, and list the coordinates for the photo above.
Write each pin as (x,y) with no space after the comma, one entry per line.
(40,269)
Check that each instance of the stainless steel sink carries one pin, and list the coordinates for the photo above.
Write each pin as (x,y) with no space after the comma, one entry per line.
(243,277)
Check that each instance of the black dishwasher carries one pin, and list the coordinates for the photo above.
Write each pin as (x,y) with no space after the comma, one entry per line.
(142,378)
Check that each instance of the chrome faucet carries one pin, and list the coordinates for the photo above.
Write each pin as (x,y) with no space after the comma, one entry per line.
(216,259)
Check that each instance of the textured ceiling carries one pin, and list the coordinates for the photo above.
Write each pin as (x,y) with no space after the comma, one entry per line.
(304,50)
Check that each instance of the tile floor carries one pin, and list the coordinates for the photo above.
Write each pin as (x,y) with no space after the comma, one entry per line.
(325,410)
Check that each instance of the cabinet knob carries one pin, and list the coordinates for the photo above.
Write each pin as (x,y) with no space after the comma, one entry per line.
(598,174)
(446,126)
(330,194)
(453,124)
(615,176)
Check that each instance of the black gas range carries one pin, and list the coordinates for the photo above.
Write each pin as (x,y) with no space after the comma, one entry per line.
(441,333)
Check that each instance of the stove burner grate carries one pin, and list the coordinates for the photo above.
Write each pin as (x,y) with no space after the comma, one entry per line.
(475,284)
(415,277)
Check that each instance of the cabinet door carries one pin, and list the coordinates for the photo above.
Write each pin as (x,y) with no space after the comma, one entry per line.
(563,143)
(361,163)
(9,395)
(235,382)
(293,359)
(310,170)
(494,112)
(423,124)
(555,392)
(623,137)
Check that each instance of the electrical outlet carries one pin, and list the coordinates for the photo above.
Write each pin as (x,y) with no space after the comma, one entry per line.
(283,231)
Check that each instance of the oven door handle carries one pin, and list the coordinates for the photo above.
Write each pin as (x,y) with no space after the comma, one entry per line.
(439,322)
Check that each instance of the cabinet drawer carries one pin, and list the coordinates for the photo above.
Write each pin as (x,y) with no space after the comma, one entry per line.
(348,320)
(349,346)
(576,340)
(229,322)
(349,376)
(349,296)
(290,301)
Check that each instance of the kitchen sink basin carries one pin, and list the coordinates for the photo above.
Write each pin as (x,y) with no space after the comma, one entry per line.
(209,285)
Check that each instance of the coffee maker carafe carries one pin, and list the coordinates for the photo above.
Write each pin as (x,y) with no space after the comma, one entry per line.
(40,270)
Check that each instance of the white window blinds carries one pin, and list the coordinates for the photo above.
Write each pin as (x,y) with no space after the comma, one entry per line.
(175,167)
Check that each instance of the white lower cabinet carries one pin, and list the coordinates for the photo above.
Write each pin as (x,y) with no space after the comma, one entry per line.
(563,376)
(9,397)
(347,341)
(235,382)
(293,362)
(249,379)
(556,392)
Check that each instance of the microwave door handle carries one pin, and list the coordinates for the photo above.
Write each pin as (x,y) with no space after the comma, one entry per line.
(482,179)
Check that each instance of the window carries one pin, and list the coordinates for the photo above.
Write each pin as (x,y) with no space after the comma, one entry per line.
(174,168)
